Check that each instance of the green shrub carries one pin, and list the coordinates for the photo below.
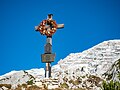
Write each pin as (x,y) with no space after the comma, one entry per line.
(64,85)
(77,82)
(71,81)
(111,85)
(30,82)
(119,76)
(83,76)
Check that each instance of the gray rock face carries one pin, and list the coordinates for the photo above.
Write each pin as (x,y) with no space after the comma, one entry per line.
(113,73)
(96,60)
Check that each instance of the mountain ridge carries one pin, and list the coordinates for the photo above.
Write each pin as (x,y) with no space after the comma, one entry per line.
(77,70)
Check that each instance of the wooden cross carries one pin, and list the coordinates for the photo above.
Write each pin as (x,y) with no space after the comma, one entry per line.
(48,27)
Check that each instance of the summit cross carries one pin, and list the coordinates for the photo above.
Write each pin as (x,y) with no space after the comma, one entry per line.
(48,27)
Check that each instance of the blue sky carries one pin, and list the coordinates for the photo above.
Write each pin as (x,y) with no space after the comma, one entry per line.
(87,23)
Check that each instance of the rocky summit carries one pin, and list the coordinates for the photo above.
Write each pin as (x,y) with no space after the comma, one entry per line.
(78,71)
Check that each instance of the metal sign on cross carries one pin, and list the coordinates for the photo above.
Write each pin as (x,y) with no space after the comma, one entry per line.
(48,27)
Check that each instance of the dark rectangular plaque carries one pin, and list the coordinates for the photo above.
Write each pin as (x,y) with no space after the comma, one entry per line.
(46,58)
